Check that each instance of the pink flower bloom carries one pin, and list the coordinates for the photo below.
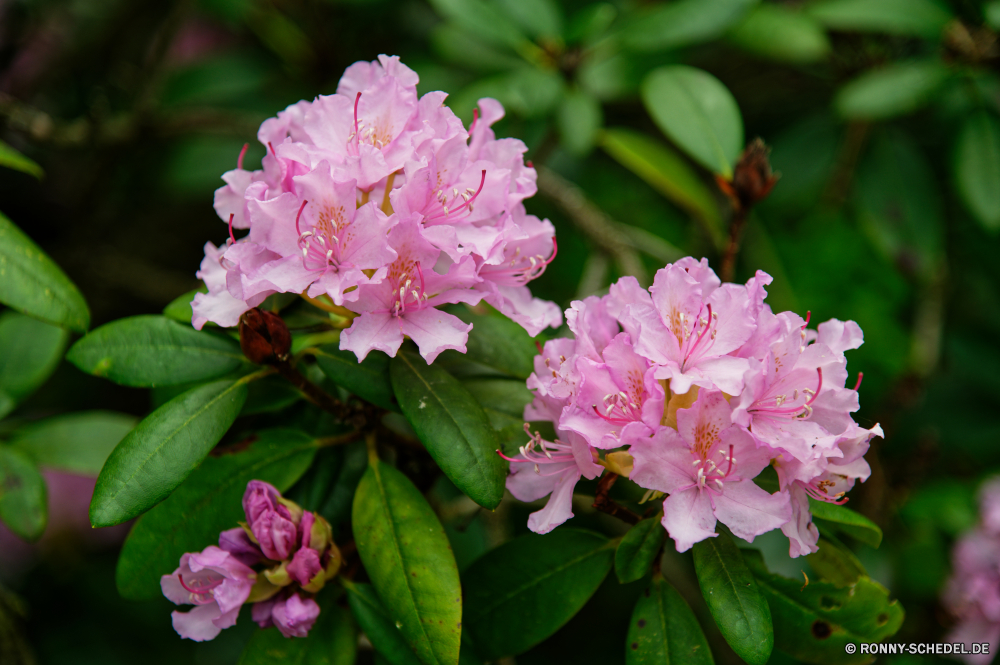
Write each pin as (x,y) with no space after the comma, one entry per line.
(270,522)
(292,614)
(618,400)
(386,205)
(238,544)
(707,466)
(544,468)
(691,326)
(216,583)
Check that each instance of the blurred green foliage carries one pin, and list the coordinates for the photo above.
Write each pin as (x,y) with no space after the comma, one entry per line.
(881,116)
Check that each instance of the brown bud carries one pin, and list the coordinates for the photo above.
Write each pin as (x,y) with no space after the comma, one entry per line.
(752,177)
(264,337)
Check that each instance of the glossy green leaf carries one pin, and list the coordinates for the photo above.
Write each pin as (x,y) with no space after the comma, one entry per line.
(22,494)
(452,426)
(31,351)
(163,449)
(76,442)
(977,168)
(847,521)
(834,563)
(207,503)
(638,548)
(590,22)
(179,308)
(580,118)
(148,351)
(896,89)
(666,172)
(780,33)
(664,631)
(407,557)
(739,608)
(532,92)
(815,622)
(12,159)
(508,396)
(331,641)
(683,23)
(922,18)
(991,12)
(496,344)
(525,590)
(32,283)
(368,379)
(698,113)
(376,624)
(269,395)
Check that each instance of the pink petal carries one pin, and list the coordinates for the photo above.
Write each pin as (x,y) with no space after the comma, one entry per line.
(688,518)
(749,511)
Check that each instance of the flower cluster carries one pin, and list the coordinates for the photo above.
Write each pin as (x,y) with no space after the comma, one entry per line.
(385,204)
(293,552)
(972,595)
(691,389)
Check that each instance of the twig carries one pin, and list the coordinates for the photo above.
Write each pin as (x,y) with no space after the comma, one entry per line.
(607,505)
(603,231)
(728,266)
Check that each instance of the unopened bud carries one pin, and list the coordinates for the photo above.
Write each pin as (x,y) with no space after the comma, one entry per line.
(264,337)
(752,176)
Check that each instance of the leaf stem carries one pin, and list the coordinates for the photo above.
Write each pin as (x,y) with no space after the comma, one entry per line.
(607,505)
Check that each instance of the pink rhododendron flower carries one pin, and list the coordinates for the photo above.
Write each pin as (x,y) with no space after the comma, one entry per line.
(972,595)
(293,553)
(383,203)
(216,583)
(697,386)
(707,465)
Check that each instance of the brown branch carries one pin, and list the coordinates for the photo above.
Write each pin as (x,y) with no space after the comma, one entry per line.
(607,505)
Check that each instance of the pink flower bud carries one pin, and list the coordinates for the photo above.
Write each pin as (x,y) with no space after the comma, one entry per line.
(216,583)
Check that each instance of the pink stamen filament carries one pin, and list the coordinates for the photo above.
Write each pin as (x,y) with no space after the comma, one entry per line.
(821,495)
(762,406)
(299,214)
(356,100)
(231,236)
(243,152)
(446,211)
(857,385)
(475,119)
(808,316)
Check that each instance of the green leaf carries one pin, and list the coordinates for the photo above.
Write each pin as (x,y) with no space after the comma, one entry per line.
(664,630)
(896,89)
(163,449)
(208,502)
(847,521)
(12,159)
(376,624)
(452,426)
(332,641)
(683,23)
(506,396)
(148,351)
(991,12)
(835,563)
(739,609)
(579,119)
(32,283)
(76,442)
(407,556)
(22,494)
(495,343)
(977,169)
(780,33)
(638,549)
(31,352)
(696,111)
(368,379)
(922,18)
(179,308)
(525,590)
(814,623)
(667,173)
(268,395)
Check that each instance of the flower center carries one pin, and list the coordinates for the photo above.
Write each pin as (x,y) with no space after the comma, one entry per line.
(781,406)
(540,452)
(710,475)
